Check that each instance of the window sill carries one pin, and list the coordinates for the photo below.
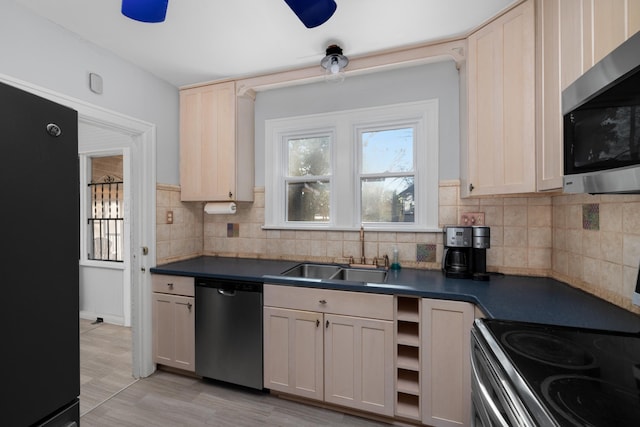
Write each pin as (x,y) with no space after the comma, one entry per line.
(409,229)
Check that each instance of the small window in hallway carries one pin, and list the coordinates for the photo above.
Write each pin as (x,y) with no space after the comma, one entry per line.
(106,215)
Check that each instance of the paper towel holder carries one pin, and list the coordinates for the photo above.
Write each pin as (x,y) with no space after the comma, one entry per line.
(220,208)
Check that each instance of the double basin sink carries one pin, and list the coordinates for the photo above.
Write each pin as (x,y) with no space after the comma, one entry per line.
(336,272)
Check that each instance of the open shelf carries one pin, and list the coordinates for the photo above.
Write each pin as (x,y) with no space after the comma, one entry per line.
(408,381)
(408,406)
(408,309)
(408,333)
(408,357)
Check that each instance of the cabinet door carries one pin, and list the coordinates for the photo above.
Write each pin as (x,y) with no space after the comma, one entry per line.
(174,331)
(609,26)
(549,148)
(359,363)
(207,143)
(293,352)
(501,98)
(446,387)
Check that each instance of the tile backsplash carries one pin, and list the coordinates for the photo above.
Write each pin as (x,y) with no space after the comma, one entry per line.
(590,242)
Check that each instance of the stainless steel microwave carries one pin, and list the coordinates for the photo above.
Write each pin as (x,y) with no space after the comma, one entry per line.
(601,112)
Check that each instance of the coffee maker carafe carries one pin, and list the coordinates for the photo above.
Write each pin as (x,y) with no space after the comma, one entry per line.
(456,260)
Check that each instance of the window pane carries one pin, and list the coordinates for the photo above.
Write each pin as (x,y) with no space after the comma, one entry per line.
(389,150)
(309,156)
(308,201)
(388,199)
(106,216)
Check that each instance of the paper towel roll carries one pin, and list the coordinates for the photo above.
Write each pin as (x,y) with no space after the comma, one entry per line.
(220,208)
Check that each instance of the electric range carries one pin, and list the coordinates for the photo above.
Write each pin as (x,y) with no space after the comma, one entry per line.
(528,374)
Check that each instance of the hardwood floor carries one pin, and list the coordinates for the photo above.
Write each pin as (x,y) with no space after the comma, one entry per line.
(111,397)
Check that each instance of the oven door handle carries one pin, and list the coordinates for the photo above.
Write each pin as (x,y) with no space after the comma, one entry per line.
(486,398)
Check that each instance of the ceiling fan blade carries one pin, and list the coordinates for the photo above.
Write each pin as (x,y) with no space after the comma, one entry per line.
(145,10)
(312,13)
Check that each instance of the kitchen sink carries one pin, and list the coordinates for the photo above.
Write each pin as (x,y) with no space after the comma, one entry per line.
(336,272)
(361,275)
(313,271)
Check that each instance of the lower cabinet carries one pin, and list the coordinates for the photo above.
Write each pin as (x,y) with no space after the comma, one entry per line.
(328,354)
(404,357)
(173,321)
(446,370)
(293,352)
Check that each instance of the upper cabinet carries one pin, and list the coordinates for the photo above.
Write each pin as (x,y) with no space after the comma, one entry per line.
(216,144)
(590,29)
(517,67)
(501,105)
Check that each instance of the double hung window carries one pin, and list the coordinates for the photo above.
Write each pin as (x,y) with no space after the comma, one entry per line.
(376,167)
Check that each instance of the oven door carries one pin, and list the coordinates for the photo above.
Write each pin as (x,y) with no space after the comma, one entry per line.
(495,402)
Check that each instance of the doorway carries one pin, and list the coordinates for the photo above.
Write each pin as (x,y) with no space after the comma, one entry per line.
(105,226)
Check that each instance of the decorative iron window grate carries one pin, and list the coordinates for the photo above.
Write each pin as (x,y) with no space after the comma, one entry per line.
(106,222)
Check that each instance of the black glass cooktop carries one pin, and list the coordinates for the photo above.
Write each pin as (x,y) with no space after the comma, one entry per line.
(584,377)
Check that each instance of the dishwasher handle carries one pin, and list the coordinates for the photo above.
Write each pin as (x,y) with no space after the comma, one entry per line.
(227,293)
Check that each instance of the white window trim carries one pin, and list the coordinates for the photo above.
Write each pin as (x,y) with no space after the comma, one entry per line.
(345,155)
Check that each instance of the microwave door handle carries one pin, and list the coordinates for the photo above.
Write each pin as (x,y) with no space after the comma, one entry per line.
(486,398)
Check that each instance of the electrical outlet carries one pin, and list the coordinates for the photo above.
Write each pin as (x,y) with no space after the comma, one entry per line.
(169,217)
(472,218)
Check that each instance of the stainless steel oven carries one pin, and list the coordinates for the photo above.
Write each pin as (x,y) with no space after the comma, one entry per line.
(528,374)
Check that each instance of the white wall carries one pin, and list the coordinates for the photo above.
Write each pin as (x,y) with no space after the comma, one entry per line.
(44,54)
(436,80)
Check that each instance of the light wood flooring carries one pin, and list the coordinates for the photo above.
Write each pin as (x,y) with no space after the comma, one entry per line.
(111,397)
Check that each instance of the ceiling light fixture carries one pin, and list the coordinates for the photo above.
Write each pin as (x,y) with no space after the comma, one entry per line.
(312,13)
(145,10)
(334,64)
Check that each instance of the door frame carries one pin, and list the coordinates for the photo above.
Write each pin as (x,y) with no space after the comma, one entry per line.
(143,224)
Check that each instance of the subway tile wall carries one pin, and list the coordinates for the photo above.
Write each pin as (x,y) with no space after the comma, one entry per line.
(536,235)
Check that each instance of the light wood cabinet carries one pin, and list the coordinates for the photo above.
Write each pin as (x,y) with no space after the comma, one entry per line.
(590,29)
(446,386)
(293,352)
(571,36)
(216,144)
(358,363)
(173,312)
(549,146)
(331,353)
(501,106)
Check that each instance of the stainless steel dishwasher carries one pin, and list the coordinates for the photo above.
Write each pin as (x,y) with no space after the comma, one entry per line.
(229,331)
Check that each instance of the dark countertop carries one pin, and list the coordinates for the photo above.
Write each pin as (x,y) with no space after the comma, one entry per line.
(528,299)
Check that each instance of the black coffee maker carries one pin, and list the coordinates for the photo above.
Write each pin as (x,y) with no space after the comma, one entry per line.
(465,252)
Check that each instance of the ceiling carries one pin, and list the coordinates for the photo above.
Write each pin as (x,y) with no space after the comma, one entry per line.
(205,40)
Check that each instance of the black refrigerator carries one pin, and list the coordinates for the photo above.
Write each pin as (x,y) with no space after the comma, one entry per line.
(39,313)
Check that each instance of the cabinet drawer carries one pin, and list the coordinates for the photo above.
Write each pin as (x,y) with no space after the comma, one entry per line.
(175,285)
(358,304)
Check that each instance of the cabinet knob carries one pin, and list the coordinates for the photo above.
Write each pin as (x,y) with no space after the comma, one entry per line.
(189,305)
(317,323)
(230,195)
(323,301)
(471,187)
(326,324)
(170,285)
